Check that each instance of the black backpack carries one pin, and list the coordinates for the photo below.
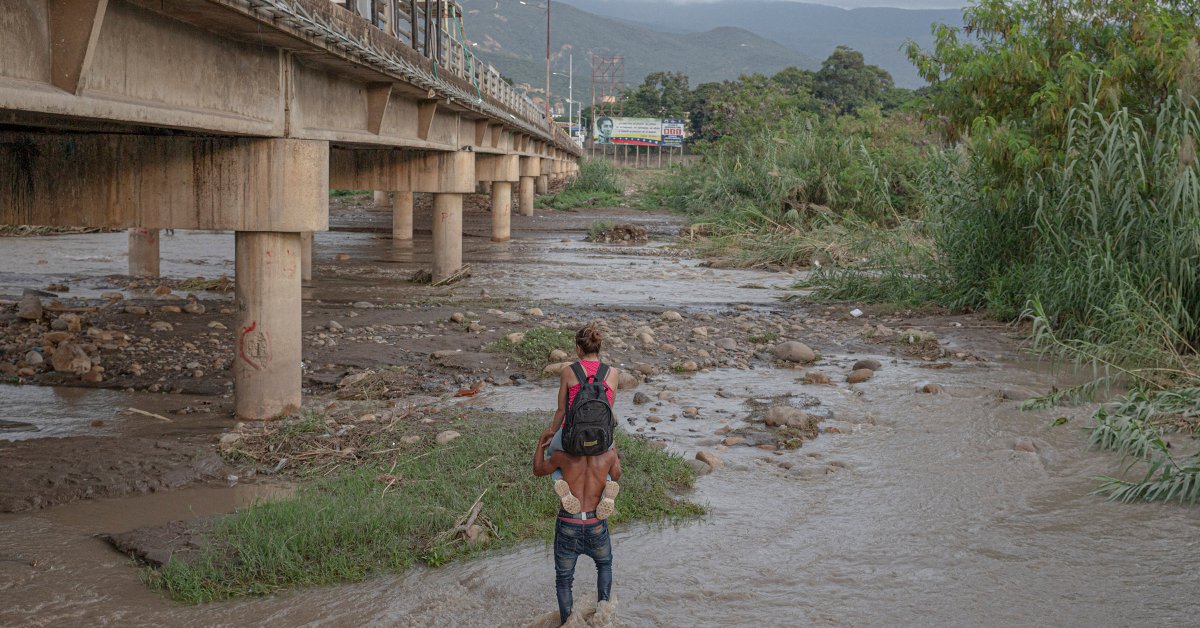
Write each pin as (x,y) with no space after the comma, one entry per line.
(588,428)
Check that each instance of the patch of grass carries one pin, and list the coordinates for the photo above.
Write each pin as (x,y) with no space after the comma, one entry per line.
(596,185)
(759,339)
(347,193)
(350,526)
(534,350)
(600,226)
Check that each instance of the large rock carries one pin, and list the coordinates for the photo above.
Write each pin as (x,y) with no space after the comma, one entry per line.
(641,398)
(626,381)
(671,316)
(558,355)
(444,437)
(793,351)
(787,416)
(873,365)
(555,368)
(515,338)
(859,376)
(71,358)
(29,307)
(711,459)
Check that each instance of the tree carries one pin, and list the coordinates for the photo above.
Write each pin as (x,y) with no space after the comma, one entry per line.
(661,95)
(846,82)
(1010,76)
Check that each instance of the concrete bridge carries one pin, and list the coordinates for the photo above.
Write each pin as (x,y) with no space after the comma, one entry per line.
(240,115)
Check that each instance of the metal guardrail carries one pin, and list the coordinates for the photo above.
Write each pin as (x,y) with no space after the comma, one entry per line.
(434,28)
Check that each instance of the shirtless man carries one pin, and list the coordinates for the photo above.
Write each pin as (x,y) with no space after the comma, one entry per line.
(582,533)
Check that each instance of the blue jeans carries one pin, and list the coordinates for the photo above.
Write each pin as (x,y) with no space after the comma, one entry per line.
(571,540)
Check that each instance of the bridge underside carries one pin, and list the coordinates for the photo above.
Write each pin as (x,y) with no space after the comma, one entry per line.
(240,116)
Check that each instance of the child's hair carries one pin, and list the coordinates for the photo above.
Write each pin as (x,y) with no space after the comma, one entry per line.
(588,339)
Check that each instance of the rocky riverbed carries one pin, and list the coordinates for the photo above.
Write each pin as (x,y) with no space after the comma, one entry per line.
(874,459)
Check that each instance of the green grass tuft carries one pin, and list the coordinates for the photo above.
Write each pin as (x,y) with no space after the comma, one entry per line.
(346,528)
(534,350)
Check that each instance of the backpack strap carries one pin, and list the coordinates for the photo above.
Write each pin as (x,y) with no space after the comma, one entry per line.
(602,372)
(580,374)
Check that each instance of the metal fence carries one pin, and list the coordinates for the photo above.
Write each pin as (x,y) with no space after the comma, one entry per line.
(435,29)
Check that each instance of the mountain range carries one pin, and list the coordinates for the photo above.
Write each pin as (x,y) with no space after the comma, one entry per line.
(707,41)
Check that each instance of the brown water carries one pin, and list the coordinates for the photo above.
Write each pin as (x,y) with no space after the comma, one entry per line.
(920,513)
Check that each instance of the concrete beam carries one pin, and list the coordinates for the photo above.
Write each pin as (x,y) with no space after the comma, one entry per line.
(124,181)
(425,111)
(378,96)
(74,31)
(497,167)
(388,169)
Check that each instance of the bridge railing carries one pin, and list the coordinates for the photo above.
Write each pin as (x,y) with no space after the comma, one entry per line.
(435,29)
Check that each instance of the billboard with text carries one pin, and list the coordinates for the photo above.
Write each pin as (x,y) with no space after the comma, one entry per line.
(636,131)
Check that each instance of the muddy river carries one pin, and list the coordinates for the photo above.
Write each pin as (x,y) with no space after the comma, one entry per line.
(923,509)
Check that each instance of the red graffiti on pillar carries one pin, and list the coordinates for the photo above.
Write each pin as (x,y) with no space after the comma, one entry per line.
(254,346)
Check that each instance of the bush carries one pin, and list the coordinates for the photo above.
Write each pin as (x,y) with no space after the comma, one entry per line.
(596,185)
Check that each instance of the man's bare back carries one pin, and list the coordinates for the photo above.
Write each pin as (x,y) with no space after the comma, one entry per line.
(586,475)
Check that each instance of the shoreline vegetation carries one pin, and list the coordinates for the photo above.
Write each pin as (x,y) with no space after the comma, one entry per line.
(1058,195)
(416,495)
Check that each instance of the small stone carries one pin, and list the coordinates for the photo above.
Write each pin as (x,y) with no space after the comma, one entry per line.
(873,365)
(170,309)
(700,332)
(136,309)
(511,317)
(643,368)
(25,372)
(334,326)
(95,375)
(1025,443)
(931,389)
(534,311)
(691,411)
(787,416)
(558,355)
(341,257)
(33,358)
(859,376)
(112,296)
(728,344)
(699,467)
(671,316)
(742,307)
(641,398)
(56,337)
(362,305)
(711,459)
(687,366)
(353,378)
(162,290)
(73,322)
(29,307)
(654,419)
(218,325)
(161,326)
(793,351)
(194,307)
(446,436)
(730,441)
(411,440)
(457,317)
(515,338)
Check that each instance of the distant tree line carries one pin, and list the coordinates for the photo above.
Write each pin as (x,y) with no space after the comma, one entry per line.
(844,84)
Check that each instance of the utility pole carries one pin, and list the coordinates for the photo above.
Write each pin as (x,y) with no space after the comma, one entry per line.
(570,87)
(549,120)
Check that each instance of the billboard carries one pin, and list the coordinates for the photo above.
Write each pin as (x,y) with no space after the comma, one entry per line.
(672,133)
(636,131)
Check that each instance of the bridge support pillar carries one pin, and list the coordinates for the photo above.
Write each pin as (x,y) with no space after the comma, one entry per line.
(447,234)
(501,211)
(306,250)
(543,184)
(381,198)
(526,195)
(143,252)
(266,365)
(402,216)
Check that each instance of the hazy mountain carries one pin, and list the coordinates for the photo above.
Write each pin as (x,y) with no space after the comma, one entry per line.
(813,30)
(512,36)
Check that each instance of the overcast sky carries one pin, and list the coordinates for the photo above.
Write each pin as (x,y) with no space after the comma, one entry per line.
(904,4)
